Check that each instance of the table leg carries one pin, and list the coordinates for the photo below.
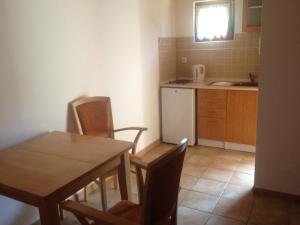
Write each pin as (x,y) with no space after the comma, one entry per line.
(49,214)
(124,177)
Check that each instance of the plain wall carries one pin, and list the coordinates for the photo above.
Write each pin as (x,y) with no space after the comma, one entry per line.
(185,13)
(54,51)
(278,138)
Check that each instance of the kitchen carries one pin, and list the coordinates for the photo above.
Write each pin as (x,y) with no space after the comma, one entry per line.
(221,77)
(54,52)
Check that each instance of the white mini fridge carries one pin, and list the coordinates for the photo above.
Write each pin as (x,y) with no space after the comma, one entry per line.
(178,109)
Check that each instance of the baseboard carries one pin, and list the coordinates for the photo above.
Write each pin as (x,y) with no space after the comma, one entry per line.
(211,143)
(148,148)
(226,145)
(277,194)
(240,147)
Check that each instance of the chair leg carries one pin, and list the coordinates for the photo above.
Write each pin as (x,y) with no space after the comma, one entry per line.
(85,194)
(174,217)
(140,183)
(61,212)
(103,193)
(115,178)
(76,197)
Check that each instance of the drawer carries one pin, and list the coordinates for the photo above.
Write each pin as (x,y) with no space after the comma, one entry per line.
(212,128)
(211,94)
(212,113)
(212,104)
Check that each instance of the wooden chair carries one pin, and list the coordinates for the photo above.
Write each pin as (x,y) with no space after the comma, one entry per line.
(93,116)
(159,203)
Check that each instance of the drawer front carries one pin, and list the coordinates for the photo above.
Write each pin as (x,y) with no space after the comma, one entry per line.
(212,128)
(212,104)
(212,113)
(211,94)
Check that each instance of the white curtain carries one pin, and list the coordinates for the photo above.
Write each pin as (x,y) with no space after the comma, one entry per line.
(212,21)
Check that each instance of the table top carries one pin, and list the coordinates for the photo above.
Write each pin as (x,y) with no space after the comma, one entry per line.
(46,163)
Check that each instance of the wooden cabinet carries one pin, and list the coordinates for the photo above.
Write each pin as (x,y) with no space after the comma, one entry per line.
(227,115)
(211,114)
(241,117)
(212,128)
(252,15)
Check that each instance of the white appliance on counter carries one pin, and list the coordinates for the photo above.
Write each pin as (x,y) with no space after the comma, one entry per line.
(178,112)
(198,71)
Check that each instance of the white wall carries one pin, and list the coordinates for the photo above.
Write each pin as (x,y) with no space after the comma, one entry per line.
(184,17)
(278,140)
(54,51)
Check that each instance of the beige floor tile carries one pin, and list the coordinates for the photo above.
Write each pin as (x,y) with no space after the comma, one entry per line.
(225,164)
(242,179)
(219,220)
(201,160)
(209,186)
(68,220)
(187,181)
(269,211)
(235,209)
(217,174)
(246,166)
(188,154)
(207,151)
(248,155)
(181,195)
(188,216)
(199,201)
(231,154)
(193,169)
(238,192)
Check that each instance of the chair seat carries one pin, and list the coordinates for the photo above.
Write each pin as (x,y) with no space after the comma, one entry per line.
(127,210)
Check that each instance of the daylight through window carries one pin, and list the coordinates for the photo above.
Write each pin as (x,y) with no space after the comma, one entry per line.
(213,20)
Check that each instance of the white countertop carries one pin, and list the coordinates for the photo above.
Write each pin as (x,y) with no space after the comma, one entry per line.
(206,85)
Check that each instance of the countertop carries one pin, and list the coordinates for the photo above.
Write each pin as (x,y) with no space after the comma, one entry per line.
(206,85)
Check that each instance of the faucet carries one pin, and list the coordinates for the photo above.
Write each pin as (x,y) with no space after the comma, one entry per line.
(252,77)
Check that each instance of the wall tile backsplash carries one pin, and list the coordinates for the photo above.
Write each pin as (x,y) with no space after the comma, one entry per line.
(167,58)
(227,59)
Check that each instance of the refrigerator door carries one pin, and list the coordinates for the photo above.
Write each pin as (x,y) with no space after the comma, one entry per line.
(178,115)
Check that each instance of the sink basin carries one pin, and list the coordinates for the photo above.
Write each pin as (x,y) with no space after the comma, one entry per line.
(231,84)
(222,83)
(246,84)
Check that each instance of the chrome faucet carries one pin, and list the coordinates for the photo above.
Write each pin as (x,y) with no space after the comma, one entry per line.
(252,77)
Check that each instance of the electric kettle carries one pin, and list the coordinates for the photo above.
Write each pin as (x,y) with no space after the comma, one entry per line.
(198,72)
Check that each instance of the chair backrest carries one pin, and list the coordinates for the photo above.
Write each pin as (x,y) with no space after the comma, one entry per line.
(162,186)
(93,116)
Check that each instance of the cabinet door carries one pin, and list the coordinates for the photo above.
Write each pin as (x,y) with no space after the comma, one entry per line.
(211,114)
(212,128)
(241,117)
(252,15)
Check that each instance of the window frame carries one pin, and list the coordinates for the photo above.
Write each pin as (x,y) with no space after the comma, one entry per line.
(231,22)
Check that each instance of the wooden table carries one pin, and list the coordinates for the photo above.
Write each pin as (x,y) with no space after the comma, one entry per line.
(48,169)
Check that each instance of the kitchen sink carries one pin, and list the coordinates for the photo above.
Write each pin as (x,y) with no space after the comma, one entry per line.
(246,84)
(222,83)
(232,84)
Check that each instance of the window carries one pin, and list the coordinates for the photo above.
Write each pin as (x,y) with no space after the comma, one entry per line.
(214,20)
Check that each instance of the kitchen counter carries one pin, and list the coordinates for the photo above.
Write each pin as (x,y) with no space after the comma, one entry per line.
(206,85)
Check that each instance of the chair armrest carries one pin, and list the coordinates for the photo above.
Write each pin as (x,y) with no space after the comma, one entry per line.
(131,128)
(84,211)
(136,139)
(138,162)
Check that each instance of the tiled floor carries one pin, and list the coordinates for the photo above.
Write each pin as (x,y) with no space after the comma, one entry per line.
(217,190)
